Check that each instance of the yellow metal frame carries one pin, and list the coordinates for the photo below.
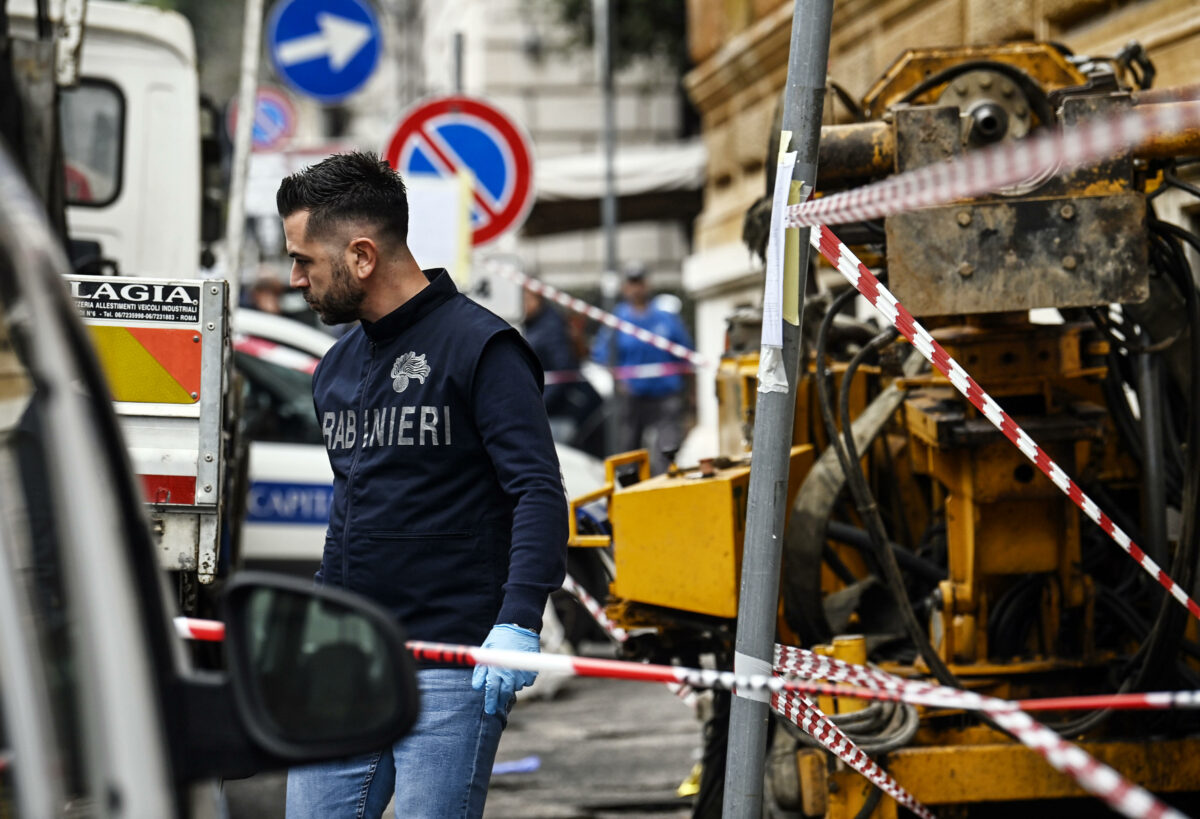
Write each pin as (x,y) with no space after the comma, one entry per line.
(641,457)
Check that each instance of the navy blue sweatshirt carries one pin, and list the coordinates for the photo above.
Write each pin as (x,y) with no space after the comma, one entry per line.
(448,503)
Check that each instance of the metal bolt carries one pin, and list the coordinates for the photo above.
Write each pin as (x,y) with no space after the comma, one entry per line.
(195,396)
(213,290)
(985,81)
(196,339)
(965,270)
(1068,262)
(208,487)
(1067,211)
(1022,110)
(212,325)
(962,87)
(1006,88)
(964,217)
(208,457)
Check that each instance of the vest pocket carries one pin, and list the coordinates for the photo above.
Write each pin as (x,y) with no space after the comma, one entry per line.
(419,537)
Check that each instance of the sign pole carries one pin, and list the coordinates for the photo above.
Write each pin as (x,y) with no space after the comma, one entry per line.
(242,132)
(767,497)
(608,204)
(458,61)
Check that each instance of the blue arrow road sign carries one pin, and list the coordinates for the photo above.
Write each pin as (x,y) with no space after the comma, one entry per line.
(324,48)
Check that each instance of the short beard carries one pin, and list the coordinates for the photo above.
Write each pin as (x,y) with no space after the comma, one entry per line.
(343,301)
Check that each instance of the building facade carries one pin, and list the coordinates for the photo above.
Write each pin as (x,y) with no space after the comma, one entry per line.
(740,48)
(516,55)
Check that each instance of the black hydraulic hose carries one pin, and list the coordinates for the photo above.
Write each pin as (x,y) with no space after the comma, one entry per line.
(1154,489)
(1105,325)
(836,565)
(1118,407)
(859,539)
(870,803)
(865,504)
(1130,428)
(1168,627)
(1173,179)
(1038,100)
(1166,634)
(870,348)
(1009,624)
(903,556)
(1132,582)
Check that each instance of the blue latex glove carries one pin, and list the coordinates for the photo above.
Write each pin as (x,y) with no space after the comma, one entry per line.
(501,684)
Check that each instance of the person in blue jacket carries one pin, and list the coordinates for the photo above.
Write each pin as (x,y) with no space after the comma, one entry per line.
(651,408)
(448,504)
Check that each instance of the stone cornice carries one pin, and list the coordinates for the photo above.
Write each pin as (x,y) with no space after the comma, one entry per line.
(742,61)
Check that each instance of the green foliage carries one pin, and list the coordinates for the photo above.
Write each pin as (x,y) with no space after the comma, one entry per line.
(641,28)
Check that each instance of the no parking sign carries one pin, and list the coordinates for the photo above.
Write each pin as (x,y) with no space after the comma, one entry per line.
(274,119)
(450,134)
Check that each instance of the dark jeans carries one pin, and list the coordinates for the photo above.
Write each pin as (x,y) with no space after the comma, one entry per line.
(654,422)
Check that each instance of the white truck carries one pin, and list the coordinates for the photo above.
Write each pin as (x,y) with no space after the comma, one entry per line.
(136,149)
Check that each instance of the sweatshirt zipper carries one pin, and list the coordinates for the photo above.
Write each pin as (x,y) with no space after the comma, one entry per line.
(362,400)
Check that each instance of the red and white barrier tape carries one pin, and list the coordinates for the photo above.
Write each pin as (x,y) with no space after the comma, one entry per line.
(571,587)
(1151,701)
(800,710)
(1001,165)
(866,683)
(607,319)
(803,712)
(617,634)
(192,628)
(861,684)
(881,299)
(624,373)
(1092,775)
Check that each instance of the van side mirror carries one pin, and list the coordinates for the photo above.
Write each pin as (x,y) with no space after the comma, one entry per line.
(316,673)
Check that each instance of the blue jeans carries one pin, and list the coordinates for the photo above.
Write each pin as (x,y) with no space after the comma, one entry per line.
(441,769)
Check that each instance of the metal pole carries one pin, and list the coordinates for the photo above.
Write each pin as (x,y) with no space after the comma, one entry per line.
(767,497)
(1154,491)
(458,62)
(608,205)
(247,91)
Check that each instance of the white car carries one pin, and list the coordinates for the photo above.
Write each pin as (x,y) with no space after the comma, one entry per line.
(287,510)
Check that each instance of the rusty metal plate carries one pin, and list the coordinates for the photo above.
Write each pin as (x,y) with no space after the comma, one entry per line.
(1016,255)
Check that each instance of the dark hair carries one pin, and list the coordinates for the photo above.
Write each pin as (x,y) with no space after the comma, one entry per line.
(350,187)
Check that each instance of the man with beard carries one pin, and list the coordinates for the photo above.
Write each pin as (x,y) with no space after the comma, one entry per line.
(448,505)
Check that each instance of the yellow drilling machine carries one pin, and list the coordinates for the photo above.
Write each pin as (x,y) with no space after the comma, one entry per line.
(939,551)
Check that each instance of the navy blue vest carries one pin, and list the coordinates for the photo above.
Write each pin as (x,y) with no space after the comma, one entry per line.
(419,522)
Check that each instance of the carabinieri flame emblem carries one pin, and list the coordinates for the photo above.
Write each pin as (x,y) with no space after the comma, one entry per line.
(409,365)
